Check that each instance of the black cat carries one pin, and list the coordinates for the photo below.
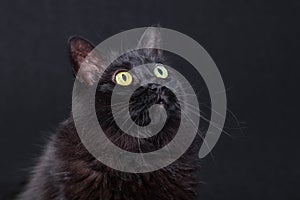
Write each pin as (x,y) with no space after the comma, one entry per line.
(67,171)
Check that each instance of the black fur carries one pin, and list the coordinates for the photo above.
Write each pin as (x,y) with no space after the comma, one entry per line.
(67,171)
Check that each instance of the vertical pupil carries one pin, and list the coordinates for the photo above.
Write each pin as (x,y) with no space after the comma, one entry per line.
(124,77)
(160,71)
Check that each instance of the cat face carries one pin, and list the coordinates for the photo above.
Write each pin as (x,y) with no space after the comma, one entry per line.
(150,78)
(142,69)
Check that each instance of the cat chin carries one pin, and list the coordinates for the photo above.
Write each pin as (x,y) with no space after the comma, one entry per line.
(158,117)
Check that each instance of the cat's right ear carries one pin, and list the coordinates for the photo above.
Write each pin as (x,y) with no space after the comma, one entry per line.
(85,60)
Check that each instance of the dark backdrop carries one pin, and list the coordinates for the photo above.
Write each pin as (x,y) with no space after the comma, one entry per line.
(254,44)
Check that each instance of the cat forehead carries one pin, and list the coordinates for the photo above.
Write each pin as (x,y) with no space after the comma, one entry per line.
(137,57)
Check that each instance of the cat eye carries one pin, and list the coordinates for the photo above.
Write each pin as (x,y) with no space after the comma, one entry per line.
(160,71)
(123,78)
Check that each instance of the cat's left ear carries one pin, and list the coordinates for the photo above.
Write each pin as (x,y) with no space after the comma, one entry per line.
(151,42)
(83,56)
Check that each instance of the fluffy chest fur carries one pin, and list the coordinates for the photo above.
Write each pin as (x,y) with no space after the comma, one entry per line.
(84,177)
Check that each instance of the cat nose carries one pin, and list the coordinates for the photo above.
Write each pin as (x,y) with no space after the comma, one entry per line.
(158,91)
(155,87)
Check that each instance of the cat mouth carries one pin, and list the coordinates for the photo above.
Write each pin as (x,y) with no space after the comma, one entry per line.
(156,98)
(158,109)
(160,100)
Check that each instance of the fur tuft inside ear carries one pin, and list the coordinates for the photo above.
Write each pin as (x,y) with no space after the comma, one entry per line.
(84,59)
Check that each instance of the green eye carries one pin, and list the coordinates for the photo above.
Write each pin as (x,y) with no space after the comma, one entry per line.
(123,78)
(160,71)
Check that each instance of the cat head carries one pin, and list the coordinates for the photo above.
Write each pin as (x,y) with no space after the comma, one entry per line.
(120,73)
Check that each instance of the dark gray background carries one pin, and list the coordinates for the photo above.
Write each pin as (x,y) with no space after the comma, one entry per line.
(254,44)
